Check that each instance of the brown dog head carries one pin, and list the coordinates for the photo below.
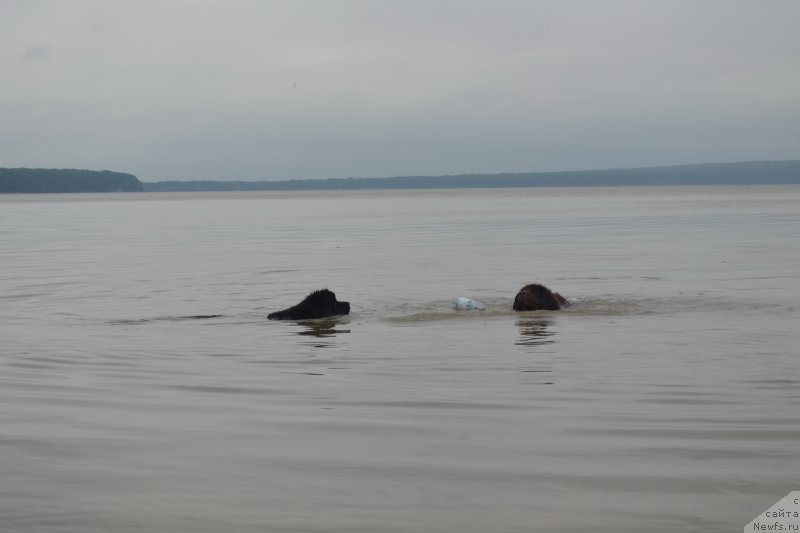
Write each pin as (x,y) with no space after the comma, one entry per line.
(534,297)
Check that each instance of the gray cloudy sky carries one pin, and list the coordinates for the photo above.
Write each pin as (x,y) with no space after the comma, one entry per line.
(271,89)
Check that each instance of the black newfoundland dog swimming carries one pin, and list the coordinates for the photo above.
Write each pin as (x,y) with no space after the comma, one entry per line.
(318,304)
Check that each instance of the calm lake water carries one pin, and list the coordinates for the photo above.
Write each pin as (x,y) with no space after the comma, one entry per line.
(667,398)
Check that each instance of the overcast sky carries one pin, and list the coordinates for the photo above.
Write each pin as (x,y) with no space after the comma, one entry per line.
(270,89)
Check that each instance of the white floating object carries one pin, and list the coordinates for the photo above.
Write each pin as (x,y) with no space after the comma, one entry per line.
(468,304)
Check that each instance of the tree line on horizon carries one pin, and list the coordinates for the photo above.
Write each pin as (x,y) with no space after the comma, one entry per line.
(743,173)
(46,180)
(27,180)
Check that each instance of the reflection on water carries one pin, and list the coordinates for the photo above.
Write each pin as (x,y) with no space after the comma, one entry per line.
(322,328)
(534,332)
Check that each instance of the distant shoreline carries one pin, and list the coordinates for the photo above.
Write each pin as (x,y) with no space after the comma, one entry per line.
(65,180)
(744,173)
(23,180)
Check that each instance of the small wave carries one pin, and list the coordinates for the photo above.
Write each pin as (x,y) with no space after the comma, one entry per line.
(443,311)
(138,321)
(602,305)
(496,307)
(609,278)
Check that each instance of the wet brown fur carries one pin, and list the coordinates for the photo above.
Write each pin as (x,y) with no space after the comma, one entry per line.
(536,297)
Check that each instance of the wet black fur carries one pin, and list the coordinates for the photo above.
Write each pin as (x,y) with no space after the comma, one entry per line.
(318,304)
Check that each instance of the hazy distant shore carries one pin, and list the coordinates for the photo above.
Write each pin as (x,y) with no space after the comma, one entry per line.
(745,173)
(60,180)
(741,173)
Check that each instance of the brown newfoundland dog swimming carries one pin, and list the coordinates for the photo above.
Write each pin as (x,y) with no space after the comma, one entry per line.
(536,297)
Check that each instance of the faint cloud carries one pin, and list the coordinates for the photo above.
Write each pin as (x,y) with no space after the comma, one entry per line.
(35,53)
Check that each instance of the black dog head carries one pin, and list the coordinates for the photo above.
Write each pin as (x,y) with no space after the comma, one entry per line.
(318,304)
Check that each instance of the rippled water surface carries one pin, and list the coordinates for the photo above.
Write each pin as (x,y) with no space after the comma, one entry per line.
(666,398)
